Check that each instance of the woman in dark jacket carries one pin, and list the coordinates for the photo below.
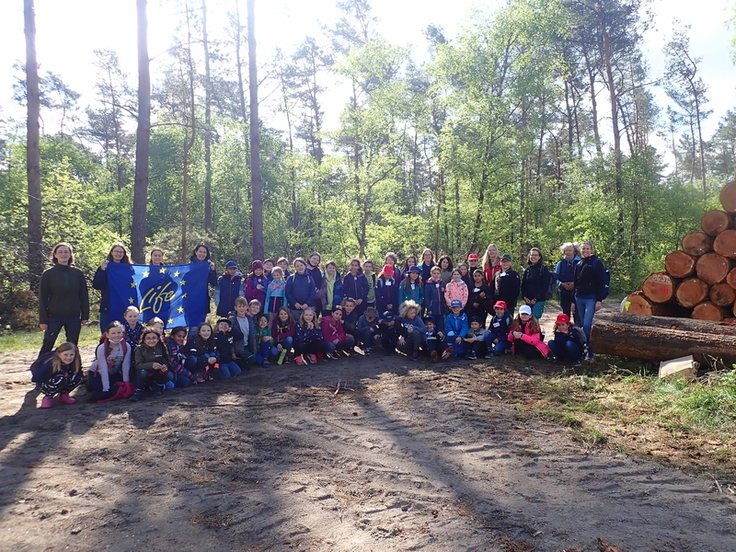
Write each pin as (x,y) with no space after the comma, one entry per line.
(590,289)
(63,298)
(117,254)
(565,271)
(535,282)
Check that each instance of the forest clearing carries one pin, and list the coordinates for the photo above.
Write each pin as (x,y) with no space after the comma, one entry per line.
(378,453)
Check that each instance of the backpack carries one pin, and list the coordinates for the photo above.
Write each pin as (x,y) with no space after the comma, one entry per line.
(606,279)
(551,286)
(42,358)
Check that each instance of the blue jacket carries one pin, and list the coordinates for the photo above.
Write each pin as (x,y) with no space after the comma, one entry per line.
(434,298)
(355,287)
(300,289)
(387,293)
(566,272)
(227,291)
(500,326)
(416,294)
(415,322)
(456,326)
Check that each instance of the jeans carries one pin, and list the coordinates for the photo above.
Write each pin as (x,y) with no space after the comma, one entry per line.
(144,378)
(226,370)
(263,351)
(585,306)
(72,325)
(286,344)
(412,343)
(567,298)
(568,352)
(497,348)
(344,345)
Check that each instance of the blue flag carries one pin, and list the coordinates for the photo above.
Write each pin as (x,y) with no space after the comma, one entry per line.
(177,294)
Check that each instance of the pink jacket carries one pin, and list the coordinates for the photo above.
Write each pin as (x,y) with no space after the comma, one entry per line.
(456,290)
(530,338)
(332,331)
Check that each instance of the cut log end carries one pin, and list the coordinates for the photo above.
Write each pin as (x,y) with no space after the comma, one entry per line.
(697,243)
(660,287)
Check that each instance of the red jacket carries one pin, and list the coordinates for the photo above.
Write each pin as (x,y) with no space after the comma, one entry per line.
(332,330)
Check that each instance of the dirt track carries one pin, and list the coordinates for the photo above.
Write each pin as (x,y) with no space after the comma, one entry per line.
(409,457)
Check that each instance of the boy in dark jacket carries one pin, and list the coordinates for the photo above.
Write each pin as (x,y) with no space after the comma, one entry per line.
(229,288)
(507,285)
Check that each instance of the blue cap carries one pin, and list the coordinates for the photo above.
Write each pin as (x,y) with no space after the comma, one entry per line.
(415,269)
(231,264)
(388,315)
(456,303)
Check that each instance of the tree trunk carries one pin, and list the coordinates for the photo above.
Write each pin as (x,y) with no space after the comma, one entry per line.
(637,303)
(679,264)
(722,295)
(255,137)
(660,338)
(207,123)
(659,287)
(715,222)
(697,243)
(691,292)
(712,268)
(728,197)
(33,151)
(143,137)
(725,244)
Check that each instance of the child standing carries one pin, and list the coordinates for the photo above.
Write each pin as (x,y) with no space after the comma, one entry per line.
(434,297)
(151,365)
(387,291)
(569,342)
(370,275)
(309,340)
(202,353)
(175,347)
(498,332)
(229,288)
(283,331)
(225,343)
(330,292)
(456,328)
(480,295)
(456,289)
(268,269)
(411,330)
(507,284)
(275,294)
(412,288)
(476,340)
(255,284)
(112,360)
(525,335)
(264,340)
(60,375)
(334,334)
(355,285)
(283,262)
(368,331)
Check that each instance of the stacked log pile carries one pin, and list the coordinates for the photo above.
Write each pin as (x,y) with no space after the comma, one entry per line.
(699,280)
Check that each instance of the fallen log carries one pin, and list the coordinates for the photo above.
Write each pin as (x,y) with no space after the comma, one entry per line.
(691,292)
(635,339)
(712,268)
(697,243)
(671,323)
(679,264)
(659,287)
(637,303)
(715,222)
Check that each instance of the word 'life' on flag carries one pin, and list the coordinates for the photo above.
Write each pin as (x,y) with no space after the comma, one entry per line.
(177,294)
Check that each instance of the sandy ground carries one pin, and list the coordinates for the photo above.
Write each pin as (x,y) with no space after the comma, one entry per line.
(363,454)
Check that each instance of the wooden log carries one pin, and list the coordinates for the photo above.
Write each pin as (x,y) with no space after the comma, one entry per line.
(731,278)
(707,311)
(679,264)
(637,303)
(651,342)
(722,295)
(725,244)
(728,197)
(691,292)
(697,244)
(712,268)
(670,323)
(715,222)
(659,287)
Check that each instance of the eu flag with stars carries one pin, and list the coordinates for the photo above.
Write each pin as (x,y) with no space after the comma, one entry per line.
(177,294)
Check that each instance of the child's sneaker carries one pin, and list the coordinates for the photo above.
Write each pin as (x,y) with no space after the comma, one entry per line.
(447,353)
(282,356)
(47,402)
(138,395)
(266,363)
(66,399)
(200,377)
(472,356)
(490,354)
(368,351)
(300,360)
(332,356)
(313,359)
(169,385)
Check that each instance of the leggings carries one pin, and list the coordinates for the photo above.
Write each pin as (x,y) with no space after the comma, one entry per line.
(61,384)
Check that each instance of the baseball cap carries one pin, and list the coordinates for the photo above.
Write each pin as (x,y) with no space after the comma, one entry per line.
(456,303)
(525,309)
(500,305)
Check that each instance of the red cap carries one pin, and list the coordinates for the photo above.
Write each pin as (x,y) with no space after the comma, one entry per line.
(500,305)
(472,257)
(388,270)
(562,319)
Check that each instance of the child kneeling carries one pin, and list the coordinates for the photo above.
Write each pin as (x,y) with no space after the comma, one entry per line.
(525,335)
(569,342)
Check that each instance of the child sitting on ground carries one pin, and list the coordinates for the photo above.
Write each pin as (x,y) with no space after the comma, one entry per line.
(569,342)
(225,343)
(498,332)
(456,328)
(525,335)
(476,340)
(434,339)
(59,375)
(368,331)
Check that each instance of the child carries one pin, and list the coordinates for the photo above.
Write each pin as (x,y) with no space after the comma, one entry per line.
(112,361)
(350,318)
(283,262)
(334,334)
(255,284)
(355,285)
(202,353)
(275,294)
(473,265)
(227,366)
(569,342)
(389,332)
(456,289)
(330,292)
(480,294)
(175,347)
(412,288)
(525,335)
(313,262)
(133,328)
(157,324)
(476,340)
(151,365)
(229,287)
(427,264)
(371,277)
(309,340)
(59,375)
(244,333)
(368,333)
(411,261)
(434,340)
(465,275)
(411,330)
(392,260)
(507,284)
(254,309)
(387,291)
(268,269)
(264,340)
(456,328)
(283,331)
(497,336)
(434,297)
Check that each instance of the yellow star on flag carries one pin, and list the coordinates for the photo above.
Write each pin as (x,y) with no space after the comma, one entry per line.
(132,284)
(146,274)
(176,274)
(183,282)
(183,294)
(180,309)
(171,321)
(162,270)
(131,300)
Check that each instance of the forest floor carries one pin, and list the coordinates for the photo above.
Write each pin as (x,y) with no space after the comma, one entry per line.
(364,454)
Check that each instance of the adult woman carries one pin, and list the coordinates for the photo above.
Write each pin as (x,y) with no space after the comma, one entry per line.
(491,263)
(313,262)
(535,282)
(565,270)
(445,264)
(300,290)
(117,254)
(590,289)
(427,264)
(63,298)
(156,257)
(200,254)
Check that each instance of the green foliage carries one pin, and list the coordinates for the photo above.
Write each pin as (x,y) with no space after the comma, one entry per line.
(711,404)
